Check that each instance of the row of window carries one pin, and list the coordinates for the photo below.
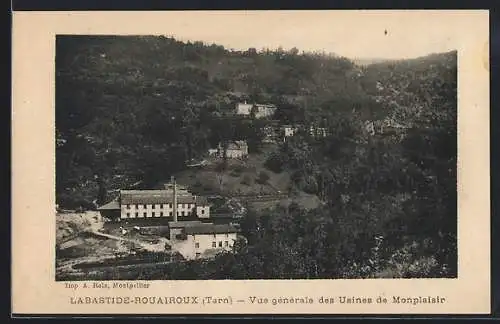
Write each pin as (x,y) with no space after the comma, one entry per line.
(215,235)
(214,244)
(153,214)
(189,206)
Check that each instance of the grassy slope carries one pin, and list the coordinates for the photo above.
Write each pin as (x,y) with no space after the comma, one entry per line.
(207,180)
(237,171)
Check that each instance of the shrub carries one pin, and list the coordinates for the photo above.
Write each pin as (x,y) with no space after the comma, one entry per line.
(263,177)
(310,185)
(236,171)
(275,163)
(74,201)
(246,180)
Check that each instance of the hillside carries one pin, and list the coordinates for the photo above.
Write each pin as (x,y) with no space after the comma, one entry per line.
(130,111)
(243,178)
(407,87)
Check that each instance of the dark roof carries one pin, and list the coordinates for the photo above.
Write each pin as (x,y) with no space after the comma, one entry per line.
(182,224)
(257,105)
(201,201)
(170,186)
(211,229)
(157,197)
(237,145)
(112,205)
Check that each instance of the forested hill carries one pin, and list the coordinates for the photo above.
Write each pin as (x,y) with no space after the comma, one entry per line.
(129,107)
(410,88)
(133,109)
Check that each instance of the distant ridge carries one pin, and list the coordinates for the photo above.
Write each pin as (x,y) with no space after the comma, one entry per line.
(427,57)
(368,61)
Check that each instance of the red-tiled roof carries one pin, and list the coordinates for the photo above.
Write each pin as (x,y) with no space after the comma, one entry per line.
(210,229)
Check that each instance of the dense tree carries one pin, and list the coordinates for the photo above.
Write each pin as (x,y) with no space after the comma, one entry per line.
(137,108)
(134,95)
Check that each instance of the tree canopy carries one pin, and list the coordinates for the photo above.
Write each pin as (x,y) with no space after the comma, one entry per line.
(134,109)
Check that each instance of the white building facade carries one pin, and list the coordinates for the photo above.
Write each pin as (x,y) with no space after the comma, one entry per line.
(238,149)
(289,130)
(234,150)
(318,132)
(159,203)
(261,110)
(205,240)
(264,111)
(243,108)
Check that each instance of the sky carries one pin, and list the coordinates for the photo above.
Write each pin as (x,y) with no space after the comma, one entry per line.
(353,34)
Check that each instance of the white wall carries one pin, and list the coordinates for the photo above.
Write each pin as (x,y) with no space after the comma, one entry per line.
(234,153)
(147,212)
(319,132)
(189,249)
(203,211)
(244,109)
(265,112)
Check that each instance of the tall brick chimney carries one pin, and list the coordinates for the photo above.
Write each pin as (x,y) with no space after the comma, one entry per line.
(174,188)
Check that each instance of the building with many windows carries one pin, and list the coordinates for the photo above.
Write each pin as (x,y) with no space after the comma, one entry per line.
(190,230)
(175,204)
(318,132)
(159,203)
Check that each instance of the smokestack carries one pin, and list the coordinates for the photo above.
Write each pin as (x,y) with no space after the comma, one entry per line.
(175,199)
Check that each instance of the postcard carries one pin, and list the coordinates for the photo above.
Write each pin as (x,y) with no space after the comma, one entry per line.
(251,162)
